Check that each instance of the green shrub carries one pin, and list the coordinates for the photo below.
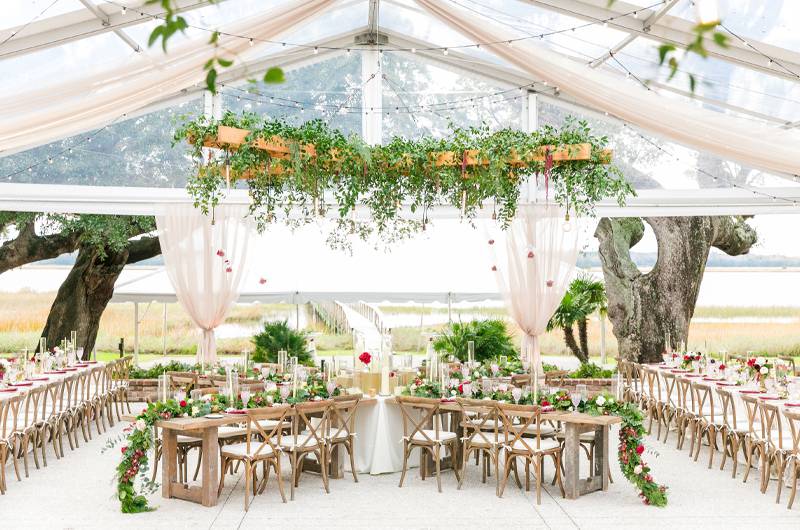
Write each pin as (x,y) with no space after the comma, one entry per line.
(279,336)
(591,371)
(154,371)
(490,336)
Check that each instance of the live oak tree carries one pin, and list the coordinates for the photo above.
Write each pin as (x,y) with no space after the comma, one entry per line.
(112,243)
(105,244)
(645,307)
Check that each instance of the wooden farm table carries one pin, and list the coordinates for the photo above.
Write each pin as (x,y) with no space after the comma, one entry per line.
(207,430)
(576,424)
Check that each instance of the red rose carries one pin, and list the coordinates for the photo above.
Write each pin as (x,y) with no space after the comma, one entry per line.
(220,253)
(228,269)
(639,449)
(123,449)
(461,388)
(491,241)
(365,357)
(545,403)
(182,403)
(722,367)
(751,362)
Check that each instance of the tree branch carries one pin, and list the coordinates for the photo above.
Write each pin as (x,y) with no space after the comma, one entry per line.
(616,237)
(144,248)
(733,235)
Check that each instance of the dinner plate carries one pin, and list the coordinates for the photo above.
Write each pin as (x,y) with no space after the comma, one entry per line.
(722,383)
(14,390)
(792,404)
(38,379)
(751,391)
(24,383)
(214,416)
(51,372)
(769,397)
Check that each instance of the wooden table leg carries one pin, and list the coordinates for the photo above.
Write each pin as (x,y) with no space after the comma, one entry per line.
(572,453)
(210,465)
(169,461)
(601,457)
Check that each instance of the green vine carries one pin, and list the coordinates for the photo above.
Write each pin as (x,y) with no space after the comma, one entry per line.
(347,172)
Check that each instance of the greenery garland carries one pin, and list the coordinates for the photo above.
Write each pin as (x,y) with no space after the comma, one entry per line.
(137,438)
(385,177)
(631,431)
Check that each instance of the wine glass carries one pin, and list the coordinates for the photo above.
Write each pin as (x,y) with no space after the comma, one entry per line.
(575,397)
(245,396)
(583,391)
(180,395)
(516,393)
(285,391)
(330,387)
(467,388)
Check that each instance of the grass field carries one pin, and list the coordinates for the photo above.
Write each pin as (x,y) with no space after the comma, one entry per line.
(22,316)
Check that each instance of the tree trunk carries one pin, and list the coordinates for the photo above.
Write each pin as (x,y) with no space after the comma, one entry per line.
(569,338)
(643,308)
(583,337)
(86,291)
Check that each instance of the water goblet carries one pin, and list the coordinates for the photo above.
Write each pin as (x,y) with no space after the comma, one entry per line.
(180,395)
(575,397)
(583,391)
(285,391)
(467,388)
(245,393)
(330,387)
(516,393)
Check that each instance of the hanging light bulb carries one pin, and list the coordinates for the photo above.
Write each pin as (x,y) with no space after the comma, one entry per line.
(348,52)
(251,41)
(444,51)
(707,11)
(566,226)
(124,10)
(316,50)
(413,50)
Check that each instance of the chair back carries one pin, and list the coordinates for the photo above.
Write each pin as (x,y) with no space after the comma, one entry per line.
(182,380)
(554,377)
(479,417)
(793,420)
(343,416)
(418,412)
(270,437)
(54,399)
(728,408)
(10,415)
(752,406)
(652,384)
(34,402)
(311,417)
(518,421)
(686,397)
(96,374)
(670,388)
(771,421)
(705,401)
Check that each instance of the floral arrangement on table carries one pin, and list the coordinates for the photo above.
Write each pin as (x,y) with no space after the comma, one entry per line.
(688,360)
(496,368)
(5,366)
(631,432)
(759,368)
(137,438)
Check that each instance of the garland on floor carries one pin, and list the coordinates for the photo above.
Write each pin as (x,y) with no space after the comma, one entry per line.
(631,431)
(137,441)
(485,167)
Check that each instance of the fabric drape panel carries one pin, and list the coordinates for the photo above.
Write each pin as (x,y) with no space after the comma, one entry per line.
(535,260)
(75,106)
(757,145)
(206,284)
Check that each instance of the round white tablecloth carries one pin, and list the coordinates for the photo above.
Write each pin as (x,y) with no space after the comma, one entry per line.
(379,435)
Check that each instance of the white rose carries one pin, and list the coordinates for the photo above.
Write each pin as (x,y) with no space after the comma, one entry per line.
(760,361)
(207,397)
(764,370)
(600,401)
(412,387)
(195,411)
(453,392)
(270,400)
(141,425)
(637,470)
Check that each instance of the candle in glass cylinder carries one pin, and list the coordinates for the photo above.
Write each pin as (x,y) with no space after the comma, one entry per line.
(471,354)
(385,378)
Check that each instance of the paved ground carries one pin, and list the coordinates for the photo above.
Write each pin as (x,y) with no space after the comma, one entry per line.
(76,492)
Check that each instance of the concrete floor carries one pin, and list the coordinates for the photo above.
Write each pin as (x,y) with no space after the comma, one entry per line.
(77,492)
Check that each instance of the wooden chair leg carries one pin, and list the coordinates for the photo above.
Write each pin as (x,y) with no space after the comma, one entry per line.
(223,467)
(438,467)
(294,471)
(539,472)
(352,461)
(712,444)
(277,463)
(781,468)
(406,453)
(506,473)
(323,465)
(247,478)
(557,463)
(795,471)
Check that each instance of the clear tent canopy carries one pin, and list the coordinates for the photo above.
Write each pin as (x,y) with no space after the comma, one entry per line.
(388,68)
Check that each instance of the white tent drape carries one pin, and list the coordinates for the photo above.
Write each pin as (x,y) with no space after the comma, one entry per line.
(71,107)
(206,263)
(533,269)
(761,146)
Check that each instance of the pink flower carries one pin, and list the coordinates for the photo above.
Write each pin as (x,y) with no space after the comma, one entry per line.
(228,269)
(220,253)
(123,449)
(639,449)
(262,281)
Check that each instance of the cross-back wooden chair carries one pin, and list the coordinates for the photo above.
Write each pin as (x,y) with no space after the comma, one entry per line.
(779,443)
(518,443)
(688,416)
(793,420)
(342,427)
(28,433)
(734,430)
(260,445)
(652,398)
(709,421)
(183,380)
(480,423)
(672,408)
(418,414)
(10,409)
(309,425)
(54,403)
(755,441)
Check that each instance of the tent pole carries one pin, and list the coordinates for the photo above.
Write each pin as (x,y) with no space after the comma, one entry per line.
(602,340)
(164,331)
(449,308)
(297,316)
(136,333)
